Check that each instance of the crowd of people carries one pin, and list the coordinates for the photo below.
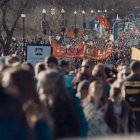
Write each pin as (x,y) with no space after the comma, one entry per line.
(69,98)
(49,101)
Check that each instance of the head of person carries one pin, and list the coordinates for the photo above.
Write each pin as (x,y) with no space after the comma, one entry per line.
(99,72)
(51,62)
(52,86)
(135,67)
(39,67)
(65,66)
(79,77)
(96,90)
(119,67)
(87,66)
(59,103)
(123,74)
(28,67)
(82,89)
(116,95)
(20,83)
(10,60)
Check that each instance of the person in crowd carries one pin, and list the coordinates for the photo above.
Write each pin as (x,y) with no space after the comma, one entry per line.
(51,62)
(110,75)
(11,60)
(78,78)
(122,111)
(98,73)
(39,67)
(82,89)
(94,105)
(28,67)
(65,67)
(86,68)
(21,84)
(60,104)
(131,89)
(13,123)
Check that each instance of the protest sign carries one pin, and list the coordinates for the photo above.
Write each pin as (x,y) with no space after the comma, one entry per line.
(37,53)
(135,54)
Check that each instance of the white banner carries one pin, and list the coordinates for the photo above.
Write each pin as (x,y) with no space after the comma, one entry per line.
(37,53)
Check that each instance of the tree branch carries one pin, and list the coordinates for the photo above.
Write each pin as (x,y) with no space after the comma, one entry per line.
(19,15)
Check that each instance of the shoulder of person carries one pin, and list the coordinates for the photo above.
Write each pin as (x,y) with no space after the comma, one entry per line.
(133,77)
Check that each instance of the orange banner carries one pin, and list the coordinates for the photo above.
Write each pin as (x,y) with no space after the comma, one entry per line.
(82,51)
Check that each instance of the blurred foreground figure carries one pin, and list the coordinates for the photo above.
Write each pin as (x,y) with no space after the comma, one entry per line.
(122,112)
(21,84)
(95,105)
(53,94)
(86,68)
(51,62)
(13,124)
(132,91)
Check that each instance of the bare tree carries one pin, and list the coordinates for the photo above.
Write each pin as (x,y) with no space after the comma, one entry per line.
(3,2)
(10,14)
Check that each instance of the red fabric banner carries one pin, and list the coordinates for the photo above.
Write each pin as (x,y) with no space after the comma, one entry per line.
(104,22)
(71,34)
(82,51)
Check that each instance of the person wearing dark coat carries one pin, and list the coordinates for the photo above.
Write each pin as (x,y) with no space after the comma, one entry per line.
(132,91)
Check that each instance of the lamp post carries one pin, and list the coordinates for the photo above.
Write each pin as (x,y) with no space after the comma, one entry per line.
(43,25)
(44,14)
(52,13)
(84,23)
(105,12)
(136,10)
(75,28)
(75,13)
(92,11)
(92,24)
(63,21)
(99,12)
(62,12)
(23,16)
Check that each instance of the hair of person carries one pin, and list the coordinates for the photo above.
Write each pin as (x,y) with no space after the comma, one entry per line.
(56,80)
(24,81)
(28,67)
(39,67)
(114,92)
(51,59)
(11,59)
(98,85)
(99,71)
(83,85)
(88,62)
(79,77)
(64,63)
(60,104)
(135,65)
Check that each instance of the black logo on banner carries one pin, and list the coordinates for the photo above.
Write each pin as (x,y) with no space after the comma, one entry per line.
(38,51)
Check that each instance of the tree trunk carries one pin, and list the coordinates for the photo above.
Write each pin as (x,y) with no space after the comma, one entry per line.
(6,47)
(5,50)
